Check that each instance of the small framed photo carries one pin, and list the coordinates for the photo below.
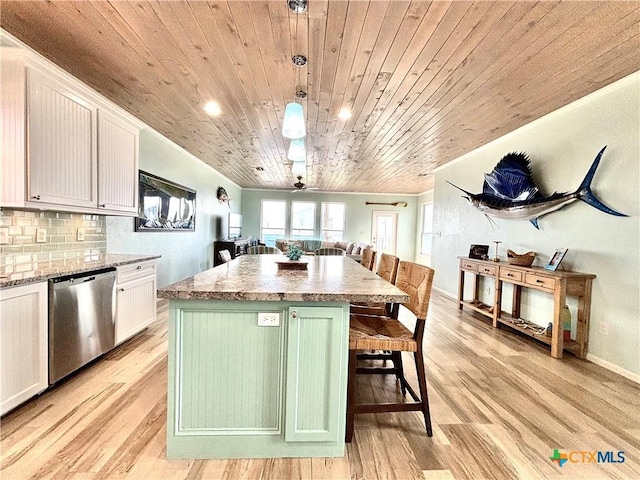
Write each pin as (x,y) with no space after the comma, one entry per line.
(479,252)
(555,259)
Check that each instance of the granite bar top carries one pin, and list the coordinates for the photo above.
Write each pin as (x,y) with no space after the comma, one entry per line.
(41,271)
(258,278)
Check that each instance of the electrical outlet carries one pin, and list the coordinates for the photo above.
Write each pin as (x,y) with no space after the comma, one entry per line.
(603,328)
(270,319)
(41,235)
(80,236)
(4,236)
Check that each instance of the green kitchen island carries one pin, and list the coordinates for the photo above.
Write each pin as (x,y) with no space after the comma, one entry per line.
(258,356)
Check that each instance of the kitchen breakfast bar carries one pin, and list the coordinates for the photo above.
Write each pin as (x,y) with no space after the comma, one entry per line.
(258,356)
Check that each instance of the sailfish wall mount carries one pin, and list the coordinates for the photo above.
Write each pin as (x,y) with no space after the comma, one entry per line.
(509,191)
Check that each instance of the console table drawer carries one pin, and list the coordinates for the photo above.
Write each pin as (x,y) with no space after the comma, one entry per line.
(539,281)
(487,270)
(469,265)
(513,275)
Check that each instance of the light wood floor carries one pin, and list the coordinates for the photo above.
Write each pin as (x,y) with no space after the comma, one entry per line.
(500,406)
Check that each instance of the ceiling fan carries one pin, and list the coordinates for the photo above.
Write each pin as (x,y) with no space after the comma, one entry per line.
(300,187)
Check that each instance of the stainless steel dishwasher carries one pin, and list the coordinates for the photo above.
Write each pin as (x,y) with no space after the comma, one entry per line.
(81,320)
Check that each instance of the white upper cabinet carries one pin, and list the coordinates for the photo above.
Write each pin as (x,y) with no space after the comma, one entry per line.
(62,141)
(63,146)
(117,158)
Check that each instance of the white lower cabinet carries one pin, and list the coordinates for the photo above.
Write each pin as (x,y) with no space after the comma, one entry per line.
(135,299)
(23,344)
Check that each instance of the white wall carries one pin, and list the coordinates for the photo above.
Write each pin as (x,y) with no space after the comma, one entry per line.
(183,253)
(562,146)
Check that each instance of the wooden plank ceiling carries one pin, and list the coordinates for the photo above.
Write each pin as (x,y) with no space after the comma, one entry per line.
(426,81)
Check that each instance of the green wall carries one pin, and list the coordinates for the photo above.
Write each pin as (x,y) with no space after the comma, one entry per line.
(183,253)
(358,215)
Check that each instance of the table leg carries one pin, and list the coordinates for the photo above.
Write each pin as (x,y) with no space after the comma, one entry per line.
(515,303)
(476,288)
(559,299)
(460,289)
(582,323)
(497,302)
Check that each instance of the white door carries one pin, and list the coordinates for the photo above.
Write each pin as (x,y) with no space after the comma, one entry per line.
(384,229)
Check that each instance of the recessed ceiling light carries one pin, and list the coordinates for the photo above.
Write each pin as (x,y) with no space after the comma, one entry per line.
(411,157)
(297,6)
(213,109)
(260,169)
(345,114)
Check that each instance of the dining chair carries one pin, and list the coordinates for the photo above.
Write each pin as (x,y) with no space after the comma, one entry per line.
(225,256)
(387,270)
(329,251)
(380,333)
(368,258)
(262,249)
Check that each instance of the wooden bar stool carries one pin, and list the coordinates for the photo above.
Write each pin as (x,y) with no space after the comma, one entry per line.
(387,270)
(368,258)
(367,332)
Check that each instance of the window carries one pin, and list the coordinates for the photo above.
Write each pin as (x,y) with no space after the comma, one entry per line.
(303,217)
(274,221)
(427,226)
(332,223)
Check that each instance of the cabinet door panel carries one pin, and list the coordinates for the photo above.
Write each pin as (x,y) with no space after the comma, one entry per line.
(117,164)
(23,344)
(62,159)
(229,371)
(316,374)
(135,307)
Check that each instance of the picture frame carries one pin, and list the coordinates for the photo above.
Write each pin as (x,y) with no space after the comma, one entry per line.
(164,206)
(556,258)
(479,252)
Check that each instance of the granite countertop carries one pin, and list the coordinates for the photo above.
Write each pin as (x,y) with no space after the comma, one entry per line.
(41,271)
(257,278)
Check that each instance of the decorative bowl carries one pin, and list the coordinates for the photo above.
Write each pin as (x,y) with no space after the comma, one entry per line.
(522,260)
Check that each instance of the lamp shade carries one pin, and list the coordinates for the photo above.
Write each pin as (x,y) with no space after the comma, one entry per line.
(299,168)
(293,124)
(297,151)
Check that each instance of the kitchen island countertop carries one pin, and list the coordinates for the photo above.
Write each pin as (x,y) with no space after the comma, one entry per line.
(258,278)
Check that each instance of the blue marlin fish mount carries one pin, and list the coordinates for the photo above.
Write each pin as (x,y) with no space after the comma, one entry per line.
(509,191)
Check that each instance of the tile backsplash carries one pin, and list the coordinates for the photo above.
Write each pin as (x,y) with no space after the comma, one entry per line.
(29,237)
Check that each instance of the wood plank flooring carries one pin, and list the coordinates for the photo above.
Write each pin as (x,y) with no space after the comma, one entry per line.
(500,406)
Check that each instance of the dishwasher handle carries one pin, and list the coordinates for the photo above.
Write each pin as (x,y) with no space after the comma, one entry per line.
(78,278)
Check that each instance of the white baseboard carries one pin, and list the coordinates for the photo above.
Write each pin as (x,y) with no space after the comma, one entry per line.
(445,293)
(634,377)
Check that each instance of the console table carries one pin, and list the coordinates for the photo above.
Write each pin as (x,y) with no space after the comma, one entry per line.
(558,283)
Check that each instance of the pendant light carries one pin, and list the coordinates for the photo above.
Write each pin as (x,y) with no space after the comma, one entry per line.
(299,168)
(293,125)
(297,151)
